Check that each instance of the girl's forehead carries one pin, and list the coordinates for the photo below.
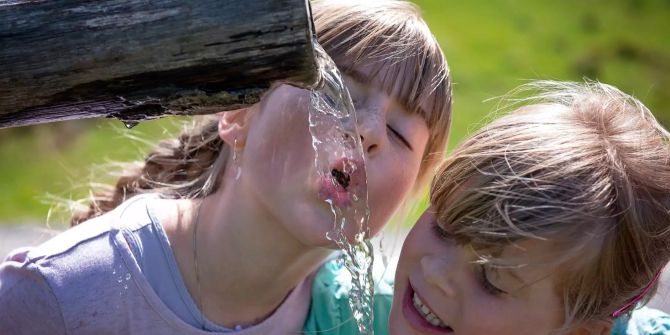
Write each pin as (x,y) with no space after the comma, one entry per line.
(366,74)
(368,79)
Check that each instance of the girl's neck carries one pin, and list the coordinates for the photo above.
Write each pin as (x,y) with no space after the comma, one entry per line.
(247,261)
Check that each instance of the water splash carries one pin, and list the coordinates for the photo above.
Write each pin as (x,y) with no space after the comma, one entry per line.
(130,123)
(332,120)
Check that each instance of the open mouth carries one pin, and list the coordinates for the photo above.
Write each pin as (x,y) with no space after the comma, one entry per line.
(421,317)
(342,178)
(427,314)
(342,187)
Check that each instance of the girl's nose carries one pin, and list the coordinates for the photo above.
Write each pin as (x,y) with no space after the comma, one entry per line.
(372,130)
(438,272)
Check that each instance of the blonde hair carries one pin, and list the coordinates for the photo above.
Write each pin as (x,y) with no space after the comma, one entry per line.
(389,36)
(404,59)
(584,166)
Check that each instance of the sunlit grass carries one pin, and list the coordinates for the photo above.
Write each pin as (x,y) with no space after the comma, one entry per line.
(494,46)
(44,162)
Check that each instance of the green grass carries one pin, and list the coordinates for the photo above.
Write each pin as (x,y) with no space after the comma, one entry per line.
(44,162)
(494,46)
(491,47)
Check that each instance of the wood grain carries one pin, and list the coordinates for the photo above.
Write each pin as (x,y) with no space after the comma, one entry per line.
(135,59)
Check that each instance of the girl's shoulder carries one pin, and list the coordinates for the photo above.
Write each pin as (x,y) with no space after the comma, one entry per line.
(84,276)
(92,234)
(643,321)
(86,253)
(330,313)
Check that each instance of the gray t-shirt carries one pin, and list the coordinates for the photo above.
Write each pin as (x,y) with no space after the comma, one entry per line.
(151,248)
(96,278)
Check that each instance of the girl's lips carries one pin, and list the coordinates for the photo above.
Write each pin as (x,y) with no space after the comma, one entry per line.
(414,318)
(351,175)
(354,170)
(331,191)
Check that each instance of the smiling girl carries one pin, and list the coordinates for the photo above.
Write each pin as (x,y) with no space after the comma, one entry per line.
(554,219)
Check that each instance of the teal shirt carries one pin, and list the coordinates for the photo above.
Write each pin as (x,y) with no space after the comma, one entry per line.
(330,314)
(643,321)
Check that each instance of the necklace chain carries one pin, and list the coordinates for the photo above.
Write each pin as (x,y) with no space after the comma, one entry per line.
(201,303)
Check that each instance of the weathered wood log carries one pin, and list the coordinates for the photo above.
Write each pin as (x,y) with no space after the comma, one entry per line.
(138,59)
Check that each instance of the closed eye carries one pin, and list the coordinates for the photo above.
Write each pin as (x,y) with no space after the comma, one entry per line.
(486,283)
(399,136)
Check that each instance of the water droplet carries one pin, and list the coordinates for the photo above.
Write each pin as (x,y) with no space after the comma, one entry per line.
(130,123)
(120,279)
(127,276)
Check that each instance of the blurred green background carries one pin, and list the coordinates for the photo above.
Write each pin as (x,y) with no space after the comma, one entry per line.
(491,46)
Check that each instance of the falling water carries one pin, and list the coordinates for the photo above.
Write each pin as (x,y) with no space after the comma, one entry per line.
(332,119)
(130,124)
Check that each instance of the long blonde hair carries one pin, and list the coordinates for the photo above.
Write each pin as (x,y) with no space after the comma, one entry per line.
(584,166)
(389,36)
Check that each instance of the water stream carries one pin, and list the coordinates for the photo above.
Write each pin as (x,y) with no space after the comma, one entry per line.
(340,161)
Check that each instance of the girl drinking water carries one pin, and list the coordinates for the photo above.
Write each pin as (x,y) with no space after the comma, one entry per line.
(224,228)
(554,219)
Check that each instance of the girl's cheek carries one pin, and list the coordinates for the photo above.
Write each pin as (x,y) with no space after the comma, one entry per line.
(405,169)
(425,241)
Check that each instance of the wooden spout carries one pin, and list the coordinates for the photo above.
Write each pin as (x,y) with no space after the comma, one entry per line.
(137,59)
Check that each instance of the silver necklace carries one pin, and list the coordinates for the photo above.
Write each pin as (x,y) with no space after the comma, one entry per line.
(201,303)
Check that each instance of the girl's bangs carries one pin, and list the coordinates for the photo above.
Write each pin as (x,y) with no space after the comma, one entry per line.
(417,79)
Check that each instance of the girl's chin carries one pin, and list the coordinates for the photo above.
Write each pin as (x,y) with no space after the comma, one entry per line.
(316,237)
(395,326)
(314,223)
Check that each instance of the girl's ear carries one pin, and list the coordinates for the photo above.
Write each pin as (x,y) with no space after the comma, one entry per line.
(234,126)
